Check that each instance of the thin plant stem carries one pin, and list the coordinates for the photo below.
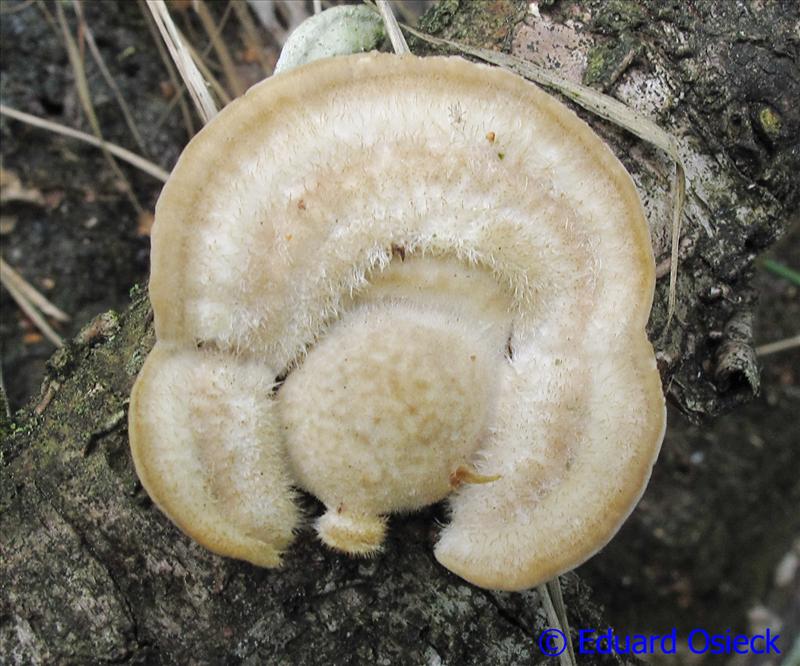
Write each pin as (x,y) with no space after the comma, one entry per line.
(29,309)
(566,656)
(554,588)
(218,88)
(780,270)
(392,28)
(31,293)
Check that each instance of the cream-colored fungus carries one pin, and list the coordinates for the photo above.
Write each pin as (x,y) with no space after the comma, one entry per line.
(454,274)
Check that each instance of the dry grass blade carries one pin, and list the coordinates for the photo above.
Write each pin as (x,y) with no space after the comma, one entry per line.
(606,107)
(82,85)
(778,346)
(118,151)
(213,31)
(557,598)
(392,28)
(30,292)
(566,657)
(109,79)
(199,59)
(12,282)
(183,59)
(173,76)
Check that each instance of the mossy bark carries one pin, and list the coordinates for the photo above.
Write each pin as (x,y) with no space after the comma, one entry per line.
(92,572)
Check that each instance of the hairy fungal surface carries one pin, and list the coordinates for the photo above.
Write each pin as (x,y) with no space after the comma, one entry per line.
(453,273)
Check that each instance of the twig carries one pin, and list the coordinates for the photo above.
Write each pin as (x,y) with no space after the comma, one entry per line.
(82,85)
(109,79)
(182,57)
(213,31)
(47,397)
(28,307)
(317,6)
(778,346)
(122,153)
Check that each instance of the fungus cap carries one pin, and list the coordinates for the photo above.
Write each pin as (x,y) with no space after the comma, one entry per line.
(453,273)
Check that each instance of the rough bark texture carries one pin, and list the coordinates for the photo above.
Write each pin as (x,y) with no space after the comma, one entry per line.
(91,571)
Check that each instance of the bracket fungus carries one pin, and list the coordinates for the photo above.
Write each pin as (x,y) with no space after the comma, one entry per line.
(453,274)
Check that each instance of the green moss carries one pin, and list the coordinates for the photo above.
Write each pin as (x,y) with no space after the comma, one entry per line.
(135,362)
(595,65)
(617,16)
(606,62)
(60,361)
(136,292)
(439,17)
(476,22)
(770,122)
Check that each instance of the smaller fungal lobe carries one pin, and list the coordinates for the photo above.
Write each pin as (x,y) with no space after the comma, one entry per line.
(353,297)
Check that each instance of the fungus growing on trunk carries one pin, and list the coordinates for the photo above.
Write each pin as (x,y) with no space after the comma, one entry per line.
(453,273)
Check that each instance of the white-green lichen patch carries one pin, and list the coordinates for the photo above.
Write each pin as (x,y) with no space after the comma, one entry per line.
(340,30)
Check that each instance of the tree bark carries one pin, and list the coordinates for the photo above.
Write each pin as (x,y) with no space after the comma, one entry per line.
(93,572)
